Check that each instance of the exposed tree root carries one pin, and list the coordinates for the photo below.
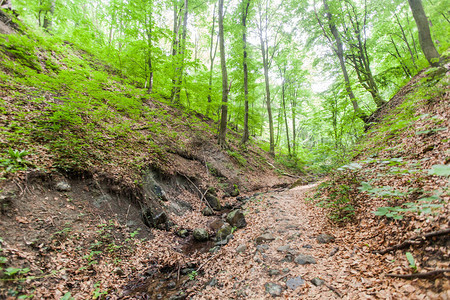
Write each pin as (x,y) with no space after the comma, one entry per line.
(421,275)
(416,240)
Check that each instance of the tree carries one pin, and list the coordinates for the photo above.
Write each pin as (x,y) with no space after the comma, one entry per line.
(339,51)
(426,43)
(246,4)
(224,109)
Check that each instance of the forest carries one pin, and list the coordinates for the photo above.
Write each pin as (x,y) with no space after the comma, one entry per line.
(240,149)
(303,75)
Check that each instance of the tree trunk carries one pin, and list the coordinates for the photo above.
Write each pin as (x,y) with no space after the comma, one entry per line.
(426,43)
(48,17)
(245,136)
(212,56)
(283,87)
(224,109)
(339,50)
(265,57)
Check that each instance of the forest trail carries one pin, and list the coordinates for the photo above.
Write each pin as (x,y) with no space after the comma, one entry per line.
(291,251)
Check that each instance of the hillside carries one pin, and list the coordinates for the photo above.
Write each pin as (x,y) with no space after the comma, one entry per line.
(107,192)
(87,155)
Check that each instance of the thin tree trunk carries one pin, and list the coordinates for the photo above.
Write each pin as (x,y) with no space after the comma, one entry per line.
(245,136)
(224,109)
(212,56)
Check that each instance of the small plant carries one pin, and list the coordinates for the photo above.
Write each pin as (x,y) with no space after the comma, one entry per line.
(193,275)
(411,261)
(440,170)
(97,293)
(16,160)
(67,296)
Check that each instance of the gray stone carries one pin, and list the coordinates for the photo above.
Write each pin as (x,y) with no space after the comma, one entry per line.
(266,237)
(303,259)
(155,217)
(213,201)
(295,282)
(171,285)
(273,272)
(223,232)
(63,186)
(325,238)
(102,199)
(214,249)
(307,246)
(288,258)
(237,218)
(273,289)
(200,234)
(317,282)
(241,248)
(207,211)
(262,248)
(212,282)
(285,270)
(284,248)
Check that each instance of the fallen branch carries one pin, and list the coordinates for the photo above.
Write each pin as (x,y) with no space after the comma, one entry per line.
(415,240)
(421,275)
(203,194)
(207,262)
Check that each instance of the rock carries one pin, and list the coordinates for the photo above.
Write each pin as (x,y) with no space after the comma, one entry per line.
(317,282)
(182,233)
(200,234)
(156,218)
(102,199)
(237,218)
(171,285)
(234,193)
(285,270)
(325,238)
(213,201)
(214,249)
(295,282)
(273,272)
(273,289)
(257,259)
(334,251)
(63,186)
(262,248)
(224,232)
(241,248)
(288,258)
(212,282)
(303,259)
(242,198)
(284,248)
(307,246)
(216,225)
(207,211)
(119,271)
(186,271)
(266,237)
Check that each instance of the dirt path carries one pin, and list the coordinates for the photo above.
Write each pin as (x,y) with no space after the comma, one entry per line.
(288,228)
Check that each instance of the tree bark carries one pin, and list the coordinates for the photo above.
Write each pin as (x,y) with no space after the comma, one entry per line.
(224,109)
(339,50)
(245,136)
(426,43)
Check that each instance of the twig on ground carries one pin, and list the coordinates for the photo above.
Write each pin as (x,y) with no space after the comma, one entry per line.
(421,275)
(203,194)
(207,262)
(415,240)
(332,288)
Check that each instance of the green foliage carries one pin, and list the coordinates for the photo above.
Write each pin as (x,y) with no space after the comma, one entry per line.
(411,261)
(193,275)
(16,160)
(67,296)
(440,170)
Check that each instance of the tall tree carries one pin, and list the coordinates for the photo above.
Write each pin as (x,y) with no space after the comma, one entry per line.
(245,7)
(426,43)
(224,109)
(339,50)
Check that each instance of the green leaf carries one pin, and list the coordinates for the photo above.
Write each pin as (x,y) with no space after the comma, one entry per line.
(439,170)
(411,261)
